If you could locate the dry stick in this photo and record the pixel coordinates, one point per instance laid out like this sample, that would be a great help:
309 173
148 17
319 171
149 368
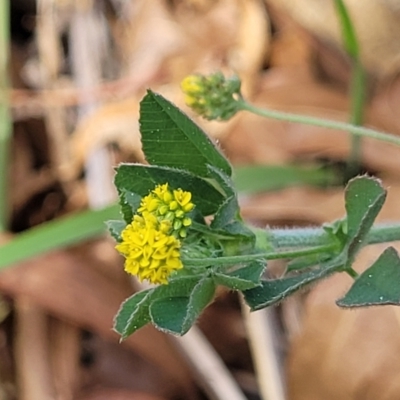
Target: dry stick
210 371
34 376
86 36
50 58
267 363
65 358
64 366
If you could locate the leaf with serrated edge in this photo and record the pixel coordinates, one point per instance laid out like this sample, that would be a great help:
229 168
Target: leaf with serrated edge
176 315
224 181
244 278
168 314
201 296
141 179
129 310
364 199
170 138
378 285
226 213
134 312
273 291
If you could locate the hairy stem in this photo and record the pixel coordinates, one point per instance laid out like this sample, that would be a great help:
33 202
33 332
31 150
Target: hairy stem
325 123
302 237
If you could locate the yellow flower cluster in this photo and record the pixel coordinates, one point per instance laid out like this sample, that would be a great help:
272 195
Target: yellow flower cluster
192 87
151 243
170 209
212 96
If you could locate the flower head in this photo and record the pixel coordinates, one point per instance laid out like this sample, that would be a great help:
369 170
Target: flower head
150 254
212 96
151 242
170 208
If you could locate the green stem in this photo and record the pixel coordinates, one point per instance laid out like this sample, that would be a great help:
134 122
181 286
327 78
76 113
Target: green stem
56 234
302 237
352 272
357 89
357 115
325 123
231 260
302 241
5 120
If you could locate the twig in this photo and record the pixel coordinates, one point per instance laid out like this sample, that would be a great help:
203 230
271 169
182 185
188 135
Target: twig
212 375
34 375
265 356
86 56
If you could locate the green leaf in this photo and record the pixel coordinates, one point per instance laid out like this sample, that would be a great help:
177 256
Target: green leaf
227 220
378 285
129 203
273 291
115 227
201 296
133 313
258 178
169 314
228 211
244 278
141 179
364 199
170 138
307 261
60 233
348 32
176 315
224 182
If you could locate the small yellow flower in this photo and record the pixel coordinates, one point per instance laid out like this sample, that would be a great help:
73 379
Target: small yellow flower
150 253
213 96
150 243
170 208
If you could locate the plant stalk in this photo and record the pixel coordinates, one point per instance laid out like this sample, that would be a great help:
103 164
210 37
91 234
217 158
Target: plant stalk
311 237
5 118
357 85
324 123
357 116
299 243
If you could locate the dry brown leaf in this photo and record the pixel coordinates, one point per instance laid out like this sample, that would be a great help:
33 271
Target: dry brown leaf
111 123
376 22
346 354
74 291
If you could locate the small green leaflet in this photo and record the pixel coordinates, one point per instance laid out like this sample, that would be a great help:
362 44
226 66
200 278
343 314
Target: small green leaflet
364 198
170 138
244 278
273 291
141 179
378 285
134 312
176 315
